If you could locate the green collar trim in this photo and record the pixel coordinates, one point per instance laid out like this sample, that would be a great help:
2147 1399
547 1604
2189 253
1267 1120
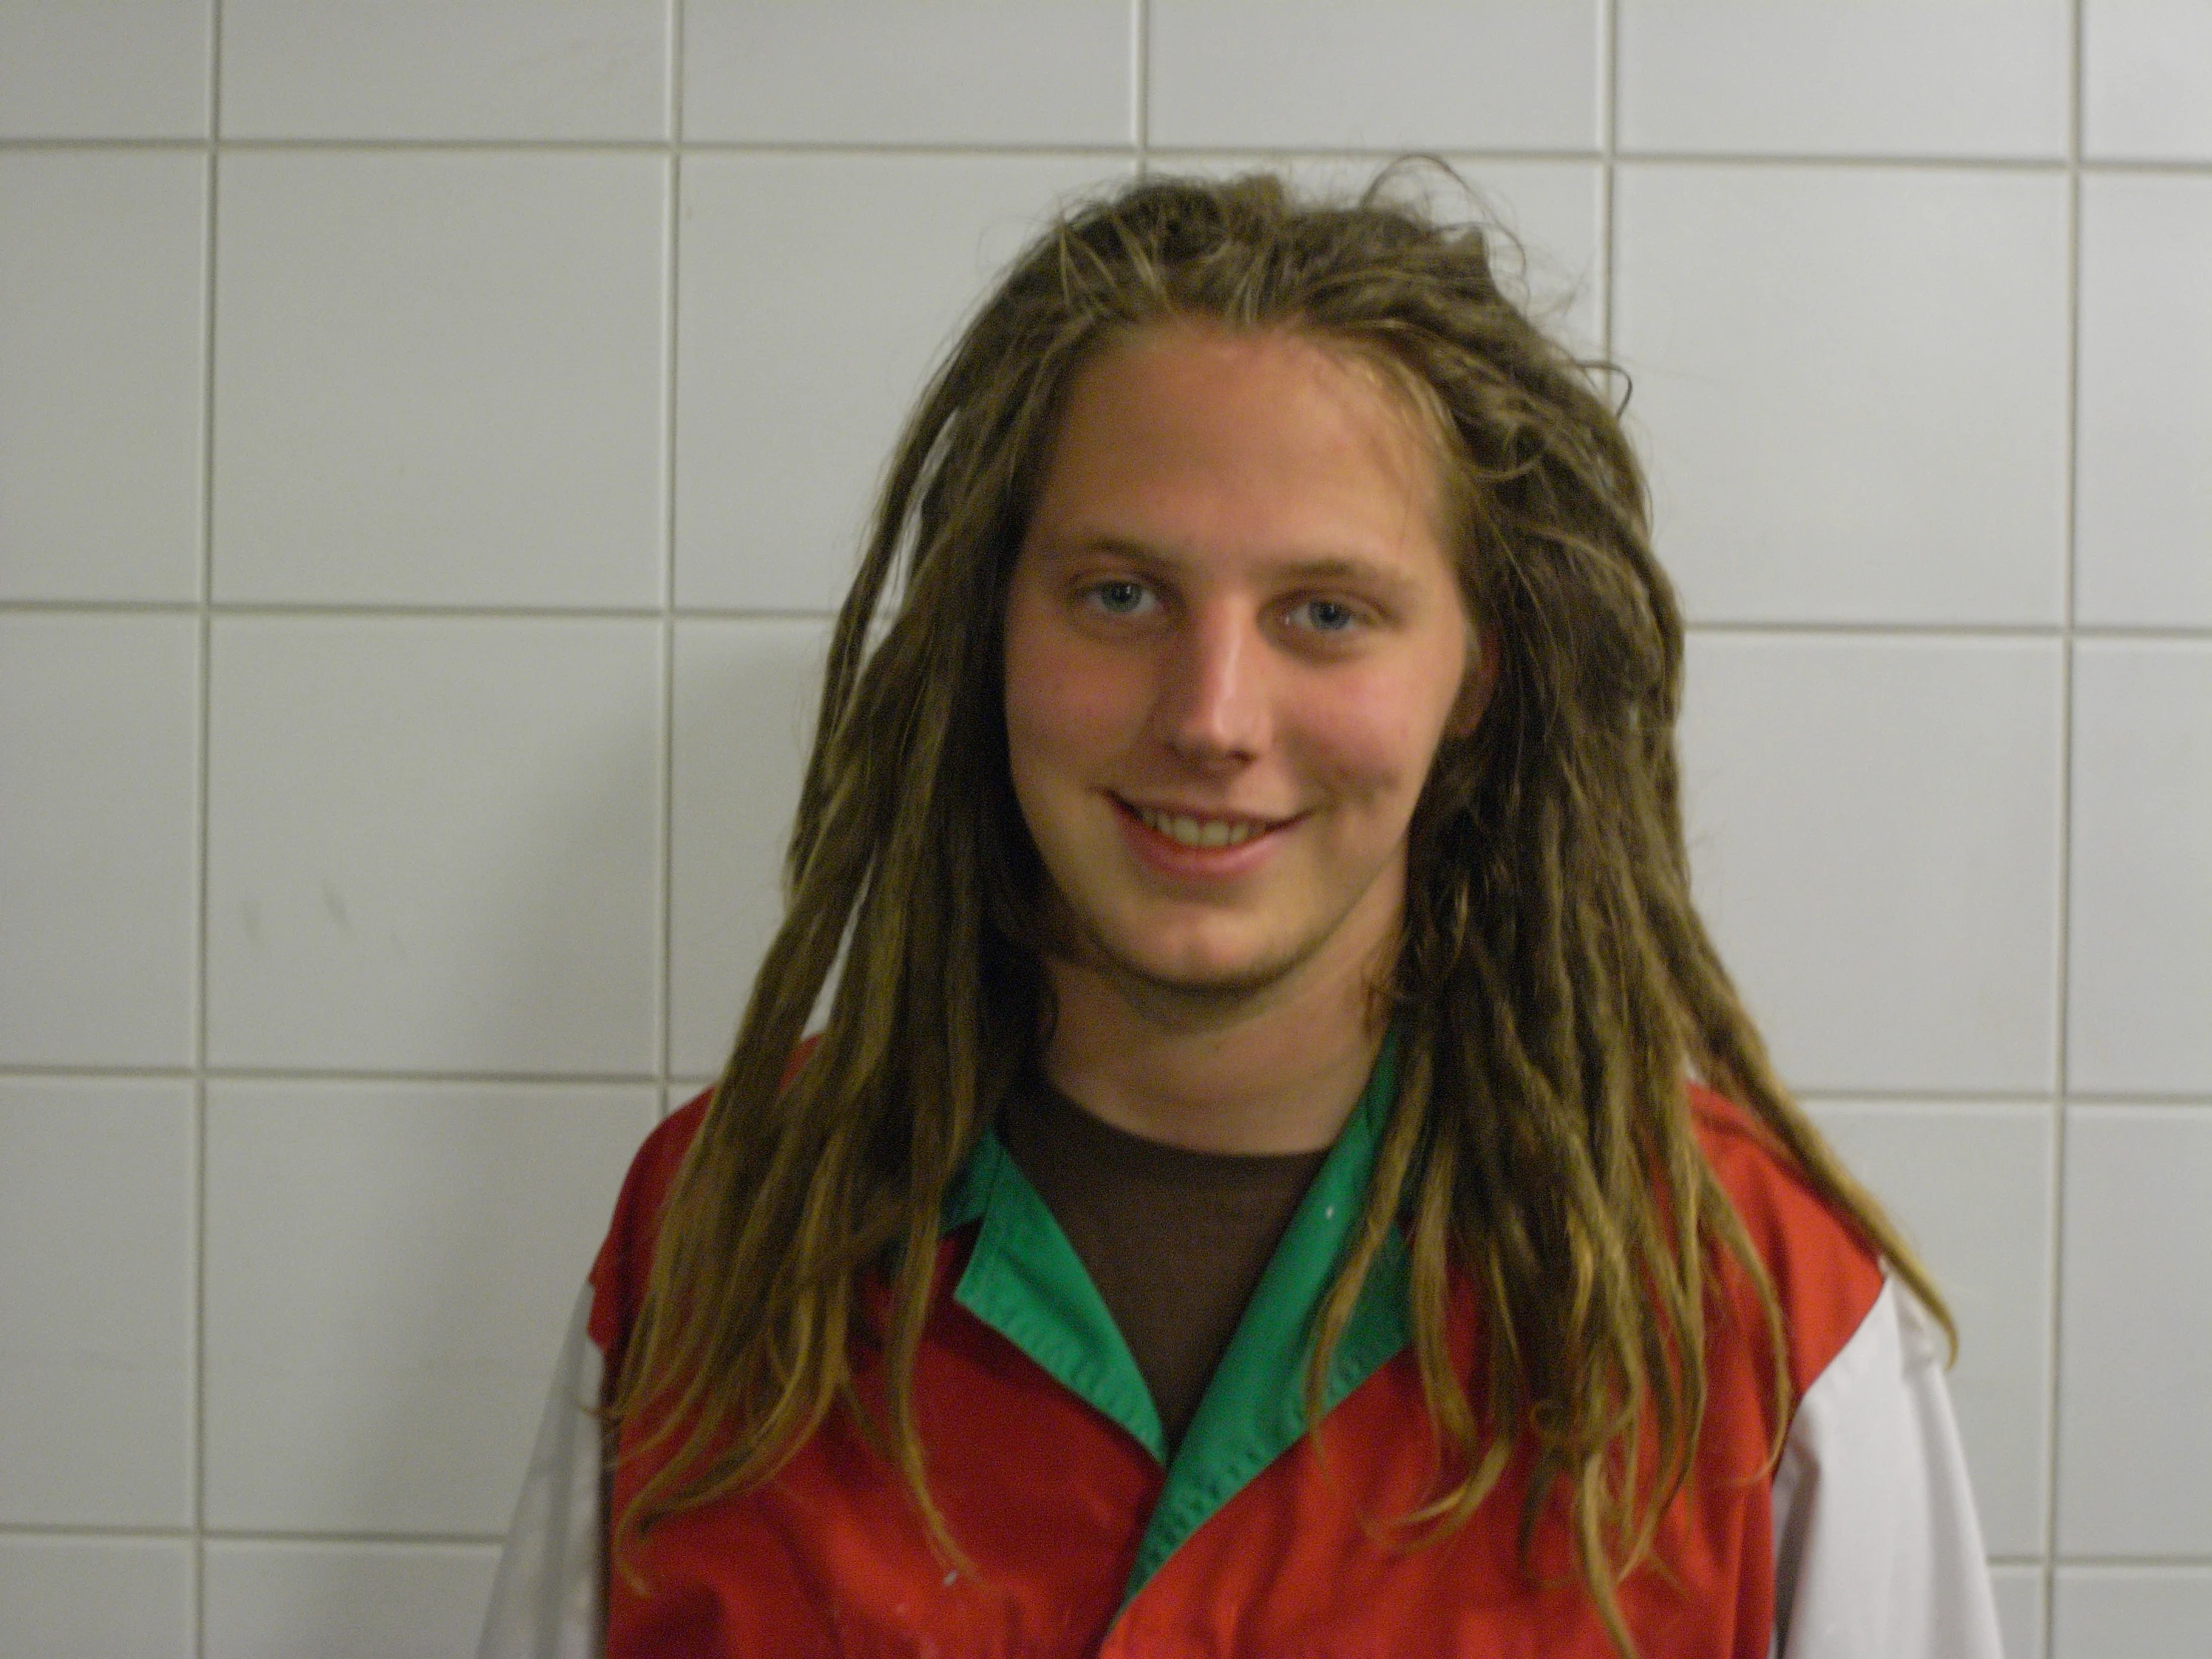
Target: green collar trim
1025 1281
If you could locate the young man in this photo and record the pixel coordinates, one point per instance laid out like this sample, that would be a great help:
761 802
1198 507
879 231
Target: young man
1285 1171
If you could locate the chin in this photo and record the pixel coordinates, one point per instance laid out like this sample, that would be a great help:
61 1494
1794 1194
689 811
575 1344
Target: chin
1202 969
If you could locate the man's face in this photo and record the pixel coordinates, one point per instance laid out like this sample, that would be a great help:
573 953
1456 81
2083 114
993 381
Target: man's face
1234 642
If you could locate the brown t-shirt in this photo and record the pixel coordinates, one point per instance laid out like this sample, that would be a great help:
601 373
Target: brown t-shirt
1175 1241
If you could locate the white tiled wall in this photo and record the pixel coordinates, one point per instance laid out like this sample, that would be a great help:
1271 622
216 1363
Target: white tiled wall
777 447
431 438
103 265
278 1599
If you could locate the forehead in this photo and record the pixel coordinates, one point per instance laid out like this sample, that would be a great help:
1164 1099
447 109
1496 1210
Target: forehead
1244 441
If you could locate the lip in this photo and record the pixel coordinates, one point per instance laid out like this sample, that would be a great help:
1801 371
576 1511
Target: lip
1168 856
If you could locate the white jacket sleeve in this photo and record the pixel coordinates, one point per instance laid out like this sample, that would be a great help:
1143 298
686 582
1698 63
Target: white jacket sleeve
545 1603
1877 1548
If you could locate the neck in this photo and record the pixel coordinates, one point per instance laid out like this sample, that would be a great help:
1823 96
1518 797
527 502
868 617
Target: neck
1268 1070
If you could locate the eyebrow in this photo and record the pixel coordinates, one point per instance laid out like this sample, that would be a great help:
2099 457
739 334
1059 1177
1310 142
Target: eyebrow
1321 567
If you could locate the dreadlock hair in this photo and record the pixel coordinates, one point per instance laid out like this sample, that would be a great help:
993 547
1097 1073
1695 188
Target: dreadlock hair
1552 987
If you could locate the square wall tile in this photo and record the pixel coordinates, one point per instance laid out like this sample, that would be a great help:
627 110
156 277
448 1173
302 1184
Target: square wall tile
746 696
2146 80
103 343
93 1598
346 1601
1552 210
390 1272
801 345
2131 1613
2135 1340
2144 496
1873 77
96 1226
1031 72
2019 1598
99 839
1972 1187
445 69
2139 934
1391 75
435 845
1549 212
439 378
105 68
1874 832
1851 387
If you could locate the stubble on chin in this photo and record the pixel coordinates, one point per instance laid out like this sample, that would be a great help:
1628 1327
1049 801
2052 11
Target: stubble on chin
1082 961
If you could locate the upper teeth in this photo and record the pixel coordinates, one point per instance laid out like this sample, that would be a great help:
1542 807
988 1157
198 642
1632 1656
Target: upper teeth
1193 831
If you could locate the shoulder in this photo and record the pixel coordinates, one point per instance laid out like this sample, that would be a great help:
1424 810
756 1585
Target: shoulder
1826 1278
625 1261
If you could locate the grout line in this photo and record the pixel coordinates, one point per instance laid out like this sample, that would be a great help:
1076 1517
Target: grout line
34 145
341 609
665 1007
2149 634
372 1538
113 607
2189 1100
79 1529
2102 633
862 147
1140 82
675 69
1471 155
424 1079
180 1074
197 1458
1840 162
2103 166
1991 1102
1879 630
2056 165
2179 1565
1609 39
344 610
2054 1257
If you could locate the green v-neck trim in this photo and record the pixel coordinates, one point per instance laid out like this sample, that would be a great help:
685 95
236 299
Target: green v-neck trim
1025 1281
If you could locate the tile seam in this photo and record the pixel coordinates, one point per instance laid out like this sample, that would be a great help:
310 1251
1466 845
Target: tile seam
665 1004
211 276
2055 1252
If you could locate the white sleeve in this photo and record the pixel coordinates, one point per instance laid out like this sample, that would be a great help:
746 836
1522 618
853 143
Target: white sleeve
545 1603
1876 1549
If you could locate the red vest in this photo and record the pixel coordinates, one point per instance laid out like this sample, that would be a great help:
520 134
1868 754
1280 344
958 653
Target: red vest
1260 1541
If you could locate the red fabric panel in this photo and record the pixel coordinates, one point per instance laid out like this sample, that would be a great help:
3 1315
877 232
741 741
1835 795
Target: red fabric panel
1824 1275
625 1260
1049 1498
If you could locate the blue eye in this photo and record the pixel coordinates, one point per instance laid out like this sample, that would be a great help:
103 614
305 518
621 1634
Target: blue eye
1325 615
1120 596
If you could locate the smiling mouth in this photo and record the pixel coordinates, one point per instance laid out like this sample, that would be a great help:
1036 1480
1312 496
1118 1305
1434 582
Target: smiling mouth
1204 832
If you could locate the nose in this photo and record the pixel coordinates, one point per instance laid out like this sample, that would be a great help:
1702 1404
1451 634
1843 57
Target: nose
1211 708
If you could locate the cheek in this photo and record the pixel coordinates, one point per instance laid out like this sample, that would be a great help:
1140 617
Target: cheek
1373 742
1066 711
